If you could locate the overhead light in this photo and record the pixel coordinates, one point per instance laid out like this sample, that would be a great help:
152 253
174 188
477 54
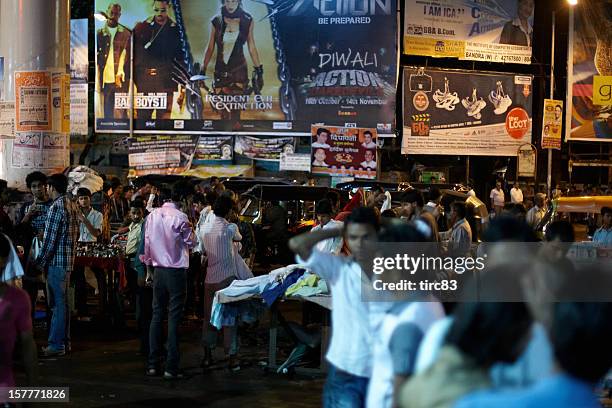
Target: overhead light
572 2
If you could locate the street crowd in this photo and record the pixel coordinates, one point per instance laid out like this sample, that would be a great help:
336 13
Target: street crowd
186 241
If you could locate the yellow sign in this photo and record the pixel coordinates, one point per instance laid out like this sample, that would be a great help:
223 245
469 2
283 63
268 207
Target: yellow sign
552 124
415 45
602 90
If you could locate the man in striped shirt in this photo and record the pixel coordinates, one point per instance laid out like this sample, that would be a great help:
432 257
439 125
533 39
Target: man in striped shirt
167 241
218 237
57 256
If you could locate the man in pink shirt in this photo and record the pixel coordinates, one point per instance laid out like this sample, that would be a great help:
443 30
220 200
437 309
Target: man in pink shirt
168 239
15 324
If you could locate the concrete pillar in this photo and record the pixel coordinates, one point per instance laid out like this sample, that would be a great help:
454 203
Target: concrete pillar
34 36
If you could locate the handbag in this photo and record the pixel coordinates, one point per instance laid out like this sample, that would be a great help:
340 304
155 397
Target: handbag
420 81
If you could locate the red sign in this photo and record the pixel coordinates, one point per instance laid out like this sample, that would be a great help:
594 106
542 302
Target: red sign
517 123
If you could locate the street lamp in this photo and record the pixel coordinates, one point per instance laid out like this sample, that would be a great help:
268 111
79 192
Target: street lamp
572 3
102 16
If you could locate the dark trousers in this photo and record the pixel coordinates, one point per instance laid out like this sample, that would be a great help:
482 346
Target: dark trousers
169 287
144 313
80 288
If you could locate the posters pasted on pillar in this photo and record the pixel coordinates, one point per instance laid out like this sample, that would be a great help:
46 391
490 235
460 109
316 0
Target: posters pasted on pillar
293 64
552 123
477 30
261 148
589 96
7 120
39 150
344 152
33 101
161 154
466 113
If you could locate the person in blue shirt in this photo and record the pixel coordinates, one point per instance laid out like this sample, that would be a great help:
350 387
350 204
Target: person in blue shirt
581 334
603 236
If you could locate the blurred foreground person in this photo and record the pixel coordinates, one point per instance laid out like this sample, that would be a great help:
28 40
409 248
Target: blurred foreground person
15 325
350 351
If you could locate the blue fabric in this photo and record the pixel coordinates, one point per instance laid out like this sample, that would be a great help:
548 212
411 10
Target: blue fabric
139 267
169 290
229 314
561 391
344 390
271 294
59 332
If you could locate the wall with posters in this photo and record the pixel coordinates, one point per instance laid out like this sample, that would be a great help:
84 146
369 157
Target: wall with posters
466 113
215 149
477 30
344 152
589 96
309 62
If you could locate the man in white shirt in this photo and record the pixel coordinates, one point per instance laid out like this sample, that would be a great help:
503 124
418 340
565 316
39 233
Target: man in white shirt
498 198
90 228
113 43
322 135
460 236
350 350
537 212
368 143
603 235
516 194
324 212
369 162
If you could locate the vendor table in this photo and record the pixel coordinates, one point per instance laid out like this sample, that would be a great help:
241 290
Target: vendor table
275 318
113 268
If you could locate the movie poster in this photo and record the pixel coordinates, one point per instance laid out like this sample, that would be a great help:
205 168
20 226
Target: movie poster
79 67
264 148
477 30
163 154
466 113
249 67
589 98
214 148
344 152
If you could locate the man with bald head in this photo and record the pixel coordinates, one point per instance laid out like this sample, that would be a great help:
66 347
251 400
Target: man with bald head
113 48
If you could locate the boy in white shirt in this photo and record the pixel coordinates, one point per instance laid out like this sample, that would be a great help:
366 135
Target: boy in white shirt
350 350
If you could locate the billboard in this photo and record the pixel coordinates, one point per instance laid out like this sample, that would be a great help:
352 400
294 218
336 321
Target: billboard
79 67
214 148
344 151
466 113
162 154
589 96
477 30
250 67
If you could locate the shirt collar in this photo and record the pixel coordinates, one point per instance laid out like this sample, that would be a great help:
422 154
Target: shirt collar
170 205
458 223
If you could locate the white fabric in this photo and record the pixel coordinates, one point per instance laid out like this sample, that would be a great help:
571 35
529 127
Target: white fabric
207 215
368 164
535 215
350 346
516 195
84 177
431 344
387 203
330 245
95 218
380 387
13 268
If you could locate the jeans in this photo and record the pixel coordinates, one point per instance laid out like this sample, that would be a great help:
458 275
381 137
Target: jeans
169 287
59 331
344 390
